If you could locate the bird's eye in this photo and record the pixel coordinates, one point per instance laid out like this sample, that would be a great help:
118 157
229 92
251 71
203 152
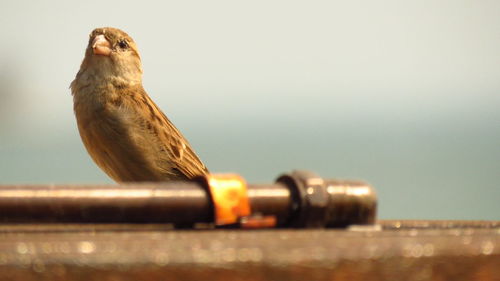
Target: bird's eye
123 44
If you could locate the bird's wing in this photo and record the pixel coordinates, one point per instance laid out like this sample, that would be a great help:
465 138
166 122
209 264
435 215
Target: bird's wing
183 158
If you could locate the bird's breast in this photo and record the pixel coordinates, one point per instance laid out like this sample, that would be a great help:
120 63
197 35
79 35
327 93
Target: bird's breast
119 143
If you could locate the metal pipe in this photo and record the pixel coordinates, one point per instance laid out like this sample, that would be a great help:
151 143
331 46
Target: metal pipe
172 202
184 203
169 202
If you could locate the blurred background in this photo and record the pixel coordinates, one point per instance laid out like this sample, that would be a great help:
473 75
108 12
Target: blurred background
402 94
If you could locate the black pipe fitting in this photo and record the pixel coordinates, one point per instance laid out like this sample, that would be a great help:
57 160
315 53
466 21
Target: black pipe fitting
328 203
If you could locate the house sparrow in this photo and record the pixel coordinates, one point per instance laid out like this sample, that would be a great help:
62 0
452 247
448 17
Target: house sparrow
124 131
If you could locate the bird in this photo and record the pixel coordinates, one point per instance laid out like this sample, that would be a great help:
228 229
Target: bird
123 130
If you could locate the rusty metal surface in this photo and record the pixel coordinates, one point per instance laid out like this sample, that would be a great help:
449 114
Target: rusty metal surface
396 250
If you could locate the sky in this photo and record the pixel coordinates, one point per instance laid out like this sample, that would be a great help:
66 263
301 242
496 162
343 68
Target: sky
402 94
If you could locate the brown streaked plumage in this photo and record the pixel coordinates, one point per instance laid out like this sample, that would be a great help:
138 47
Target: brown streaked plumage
124 131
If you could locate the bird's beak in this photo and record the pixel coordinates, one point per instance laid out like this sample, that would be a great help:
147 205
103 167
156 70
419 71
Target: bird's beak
101 46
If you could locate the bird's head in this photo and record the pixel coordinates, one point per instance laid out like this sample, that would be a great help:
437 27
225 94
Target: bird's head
112 55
